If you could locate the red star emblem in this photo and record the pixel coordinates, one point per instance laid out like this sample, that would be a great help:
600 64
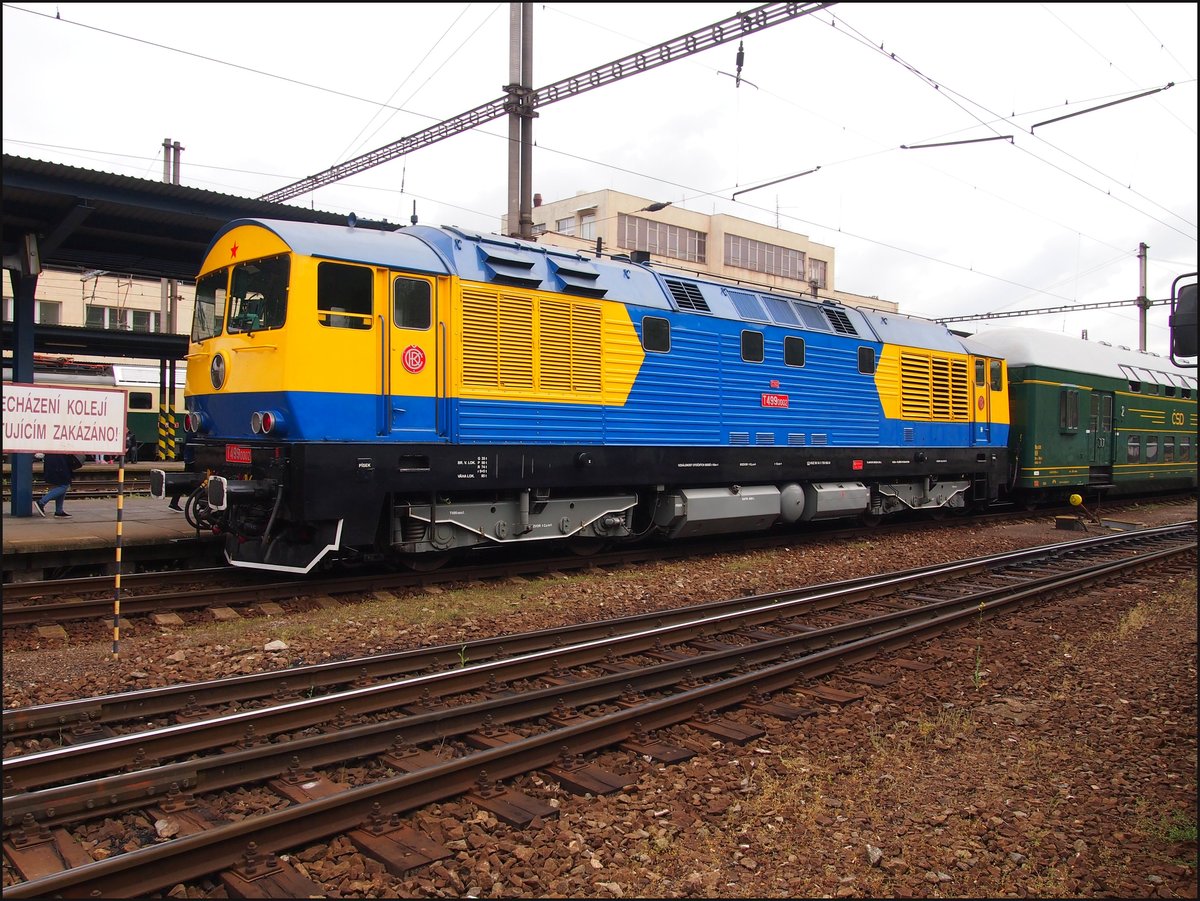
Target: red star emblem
233 251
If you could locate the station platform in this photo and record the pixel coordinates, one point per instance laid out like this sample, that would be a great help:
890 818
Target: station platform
149 529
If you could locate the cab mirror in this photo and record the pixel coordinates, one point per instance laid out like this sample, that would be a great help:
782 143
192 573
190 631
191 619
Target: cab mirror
1183 321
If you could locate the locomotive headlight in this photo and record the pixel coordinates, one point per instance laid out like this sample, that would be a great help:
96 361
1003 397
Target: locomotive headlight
267 422
216 372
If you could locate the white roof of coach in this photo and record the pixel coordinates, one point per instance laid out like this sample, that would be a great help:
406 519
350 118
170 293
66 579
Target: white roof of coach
1029 347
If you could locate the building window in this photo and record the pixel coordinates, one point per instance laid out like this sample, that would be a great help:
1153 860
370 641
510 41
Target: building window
565 226
47 312
816 272
656 334
147 321
587 224
746 253
114 318
752 346
635 233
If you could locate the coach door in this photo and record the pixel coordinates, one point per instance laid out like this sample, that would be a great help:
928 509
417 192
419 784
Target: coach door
414 393
1100 428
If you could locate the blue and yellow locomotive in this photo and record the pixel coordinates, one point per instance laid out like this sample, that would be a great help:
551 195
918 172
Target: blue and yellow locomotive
354 393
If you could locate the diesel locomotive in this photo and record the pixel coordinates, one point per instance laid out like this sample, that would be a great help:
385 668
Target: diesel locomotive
357 394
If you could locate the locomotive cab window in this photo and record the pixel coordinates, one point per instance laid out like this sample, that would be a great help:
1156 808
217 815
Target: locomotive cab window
752 346
866 360
793 351
412 306
258 295
656 335
980 373
208 315
344 296
997 380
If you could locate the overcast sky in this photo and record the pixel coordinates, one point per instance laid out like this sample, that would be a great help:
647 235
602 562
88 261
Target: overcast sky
262 95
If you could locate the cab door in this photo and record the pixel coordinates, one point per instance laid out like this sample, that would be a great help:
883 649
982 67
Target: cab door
981 402
413 375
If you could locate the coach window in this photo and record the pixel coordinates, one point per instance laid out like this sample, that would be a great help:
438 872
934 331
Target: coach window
1169 449
1133 449
344 296
258 295
752 346
1068 410
141 400
866 360
793 351
412 306
656 335
1151 448
1185 448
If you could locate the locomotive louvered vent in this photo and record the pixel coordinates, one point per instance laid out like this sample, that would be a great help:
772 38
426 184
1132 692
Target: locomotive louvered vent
934 387
764 438
910 434
820 439
739 438
840 322
795 439
509 266
577 277
748 306
687 296
500 351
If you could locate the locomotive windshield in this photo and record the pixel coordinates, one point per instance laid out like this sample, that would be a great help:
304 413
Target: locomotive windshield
209 312
258 295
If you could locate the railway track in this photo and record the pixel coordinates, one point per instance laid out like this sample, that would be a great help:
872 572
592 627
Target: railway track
452 721
90 598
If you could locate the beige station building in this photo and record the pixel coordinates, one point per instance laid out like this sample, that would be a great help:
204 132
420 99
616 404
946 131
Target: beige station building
675 238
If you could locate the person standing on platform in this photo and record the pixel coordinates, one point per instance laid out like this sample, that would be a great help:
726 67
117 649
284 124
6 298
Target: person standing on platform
57 470
131 445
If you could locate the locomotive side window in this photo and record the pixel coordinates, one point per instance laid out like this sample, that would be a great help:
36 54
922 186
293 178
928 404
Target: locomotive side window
866 360
997 380
793 351
344 296
980 373
208 315
258 295
1133 449
656 335
752 346
412 307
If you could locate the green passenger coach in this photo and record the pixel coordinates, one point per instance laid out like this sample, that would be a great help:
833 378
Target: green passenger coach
1091 417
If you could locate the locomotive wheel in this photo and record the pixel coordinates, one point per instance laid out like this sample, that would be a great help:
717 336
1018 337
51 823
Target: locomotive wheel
586 547
427 563
870 520
196 509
